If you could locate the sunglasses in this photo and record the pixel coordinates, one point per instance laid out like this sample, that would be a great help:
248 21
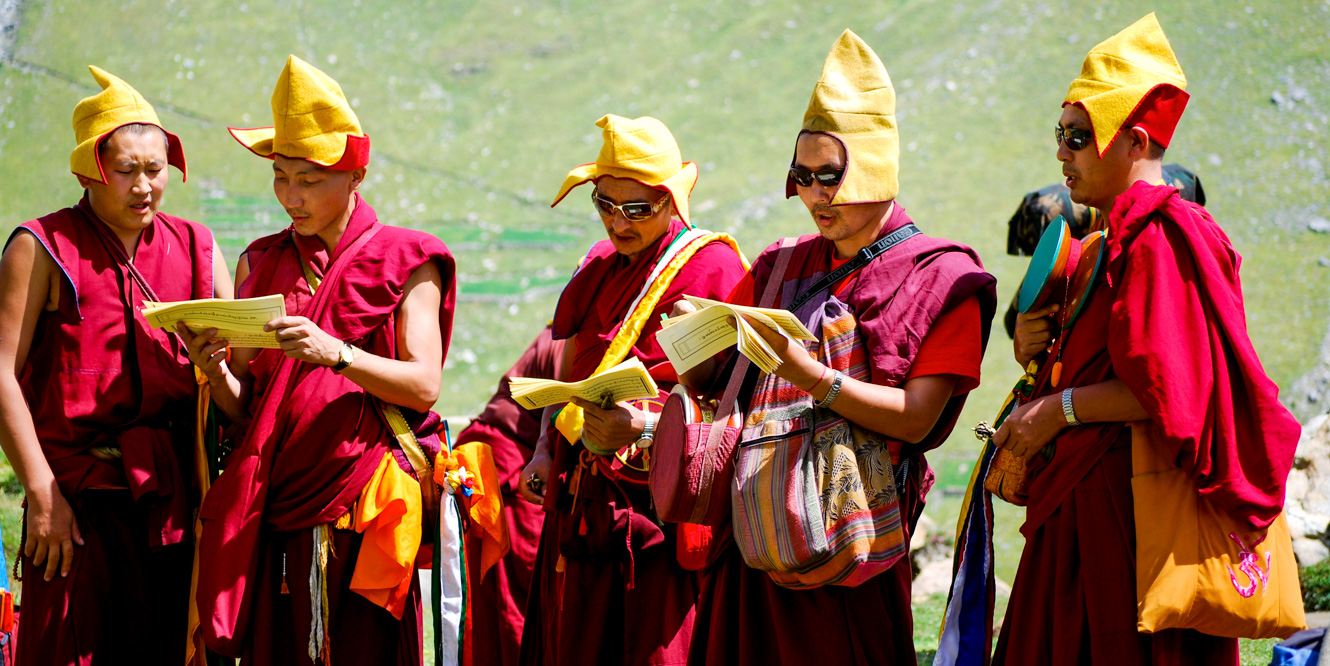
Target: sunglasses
826 177
1073 138
633 211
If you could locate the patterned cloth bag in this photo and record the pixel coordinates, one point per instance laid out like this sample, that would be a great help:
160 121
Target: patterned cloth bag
815 499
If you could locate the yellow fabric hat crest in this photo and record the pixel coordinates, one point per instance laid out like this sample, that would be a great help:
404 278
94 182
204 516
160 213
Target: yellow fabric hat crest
855 102
641 149
1131 76
96 117
311 121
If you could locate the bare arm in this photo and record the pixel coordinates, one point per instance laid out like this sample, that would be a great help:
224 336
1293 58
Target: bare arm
413 379
27 278
1033 425
907 413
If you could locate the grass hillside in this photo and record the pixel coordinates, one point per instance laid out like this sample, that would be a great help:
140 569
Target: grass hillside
477 109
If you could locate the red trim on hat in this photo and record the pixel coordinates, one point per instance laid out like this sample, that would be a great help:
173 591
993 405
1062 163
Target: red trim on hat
356 154
1157 113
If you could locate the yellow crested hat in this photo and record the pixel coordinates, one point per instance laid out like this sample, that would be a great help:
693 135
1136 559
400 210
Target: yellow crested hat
96 117
311 121
1131 79
640 149
855 102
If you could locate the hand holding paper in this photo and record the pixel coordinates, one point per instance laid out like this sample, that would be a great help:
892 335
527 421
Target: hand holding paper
694 337
240 322
626 381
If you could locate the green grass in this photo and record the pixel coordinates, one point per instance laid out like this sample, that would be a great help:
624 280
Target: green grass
1316 586
477 110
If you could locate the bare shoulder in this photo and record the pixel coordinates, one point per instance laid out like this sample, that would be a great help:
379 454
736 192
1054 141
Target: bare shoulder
25 264
428 272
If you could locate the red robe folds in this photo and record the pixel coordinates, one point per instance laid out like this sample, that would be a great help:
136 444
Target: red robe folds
98 376
743 618
314 440
499 596
1168 320
622 597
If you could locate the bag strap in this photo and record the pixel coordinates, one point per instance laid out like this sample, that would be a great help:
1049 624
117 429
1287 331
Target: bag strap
415 454
860 260
716 433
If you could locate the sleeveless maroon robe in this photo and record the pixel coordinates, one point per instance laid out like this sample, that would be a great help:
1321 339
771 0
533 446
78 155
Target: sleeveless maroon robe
499 596
742 616
314 440
1168 320
623 598
97 375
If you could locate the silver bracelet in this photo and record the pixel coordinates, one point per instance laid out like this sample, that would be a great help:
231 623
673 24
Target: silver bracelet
833 392
1067 410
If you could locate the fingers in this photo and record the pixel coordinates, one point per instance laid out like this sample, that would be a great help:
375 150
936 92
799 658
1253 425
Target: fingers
682 307
66 558
74 531
53 561
285 322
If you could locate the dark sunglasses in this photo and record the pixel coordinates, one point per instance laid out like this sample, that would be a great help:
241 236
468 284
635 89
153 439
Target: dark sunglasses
826 177
633 211
1073 138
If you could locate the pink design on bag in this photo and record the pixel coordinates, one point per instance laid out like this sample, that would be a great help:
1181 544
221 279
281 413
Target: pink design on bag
1250 565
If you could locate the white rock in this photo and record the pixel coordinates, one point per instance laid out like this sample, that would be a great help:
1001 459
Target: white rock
934 578
1308 551
922 531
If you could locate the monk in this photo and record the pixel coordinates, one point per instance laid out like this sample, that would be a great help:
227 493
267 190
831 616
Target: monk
97 408
499 596
1162 341
310 535
607 586
921 314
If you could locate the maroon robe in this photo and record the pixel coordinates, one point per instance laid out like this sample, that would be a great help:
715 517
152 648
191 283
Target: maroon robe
1168 320
745 618
314 440
499 596
97 376
623 598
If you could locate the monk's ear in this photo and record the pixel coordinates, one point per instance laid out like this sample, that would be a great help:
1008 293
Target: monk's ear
1139 142
357 177
84 181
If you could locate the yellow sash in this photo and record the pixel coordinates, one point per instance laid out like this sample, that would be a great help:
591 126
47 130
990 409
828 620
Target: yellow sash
569 421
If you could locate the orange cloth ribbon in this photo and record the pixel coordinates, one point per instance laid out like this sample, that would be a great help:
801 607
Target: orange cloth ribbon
390 516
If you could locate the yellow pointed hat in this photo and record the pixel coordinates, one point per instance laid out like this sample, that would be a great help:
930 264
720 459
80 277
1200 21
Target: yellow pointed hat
311 121
640 149
96 117
1131 79
855 102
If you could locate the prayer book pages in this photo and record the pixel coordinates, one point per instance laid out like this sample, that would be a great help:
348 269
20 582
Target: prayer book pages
694 337
626 381
239 322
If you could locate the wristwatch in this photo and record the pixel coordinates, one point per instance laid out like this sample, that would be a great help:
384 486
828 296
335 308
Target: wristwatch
345 357
648 432
1067 411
